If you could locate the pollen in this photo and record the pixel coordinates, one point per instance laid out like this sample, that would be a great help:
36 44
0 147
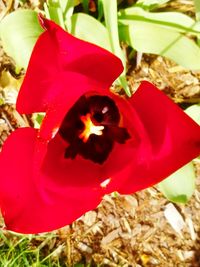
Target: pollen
90 128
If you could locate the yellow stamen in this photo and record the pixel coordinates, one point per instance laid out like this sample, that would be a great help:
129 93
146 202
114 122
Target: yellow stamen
90 128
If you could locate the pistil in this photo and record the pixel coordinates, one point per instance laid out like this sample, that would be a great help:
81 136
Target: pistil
90 128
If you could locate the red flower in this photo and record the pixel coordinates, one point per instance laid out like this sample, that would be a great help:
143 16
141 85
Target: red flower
91 142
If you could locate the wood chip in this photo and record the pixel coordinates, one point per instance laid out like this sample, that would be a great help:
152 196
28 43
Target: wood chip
174 218
111 236
191 228
89 218
83 247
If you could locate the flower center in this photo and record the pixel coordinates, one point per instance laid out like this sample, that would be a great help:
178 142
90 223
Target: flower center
91 127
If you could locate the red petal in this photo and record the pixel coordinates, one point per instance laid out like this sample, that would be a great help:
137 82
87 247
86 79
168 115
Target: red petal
120 156
70 87
173 140
32 201
55 52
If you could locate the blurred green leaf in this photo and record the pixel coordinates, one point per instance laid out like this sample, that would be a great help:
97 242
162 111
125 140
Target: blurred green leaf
197 13
19 31
194 112
110 15
148 37
100 10
37 119
54 12
67 4
151 4
89 29
179 186
85 4
197 9
171 20
68 12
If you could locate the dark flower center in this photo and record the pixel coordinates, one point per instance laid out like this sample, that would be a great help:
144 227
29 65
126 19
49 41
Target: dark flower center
91 127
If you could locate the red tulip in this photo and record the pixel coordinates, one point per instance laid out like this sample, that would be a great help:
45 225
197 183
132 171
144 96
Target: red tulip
91 142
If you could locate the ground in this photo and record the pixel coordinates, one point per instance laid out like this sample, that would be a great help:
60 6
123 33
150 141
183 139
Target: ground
125 230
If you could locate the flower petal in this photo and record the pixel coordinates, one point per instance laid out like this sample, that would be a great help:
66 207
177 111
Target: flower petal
55 52
121 154
32 204
69 87
174 140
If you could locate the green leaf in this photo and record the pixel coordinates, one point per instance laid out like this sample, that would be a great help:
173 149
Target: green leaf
67 4
148 37
37 119
53 11
197 9
151 4
197 13
89 29
110 15
194 112
68 12
19 31
85 4
171 20
179 186
100 10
